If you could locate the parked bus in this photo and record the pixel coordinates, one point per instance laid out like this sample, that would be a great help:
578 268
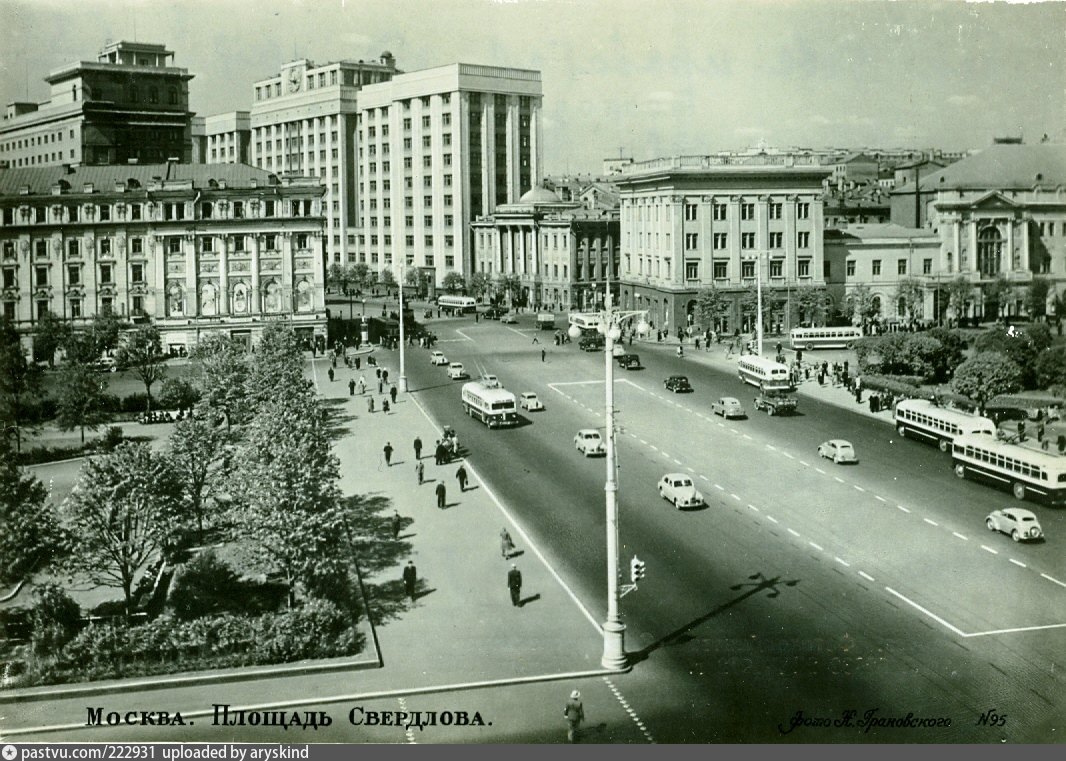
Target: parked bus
940 425
823 338
586 320
764 373
457 303
1027 472
494 407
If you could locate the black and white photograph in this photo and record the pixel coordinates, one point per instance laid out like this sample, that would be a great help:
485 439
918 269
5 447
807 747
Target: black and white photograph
531 372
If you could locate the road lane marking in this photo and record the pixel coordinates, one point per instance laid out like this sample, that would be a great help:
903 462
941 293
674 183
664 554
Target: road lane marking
642 441
704 477
901 507
1018 563
794 533
866 576
820 471
719 487
838 479
816 546
931 523
1016 630
804 464
749 438
929 613
771 447
464 335
628 709
786 454
734 496
879 498
408 732
772 519
842 562
1053 580
960 536
753 507
654 447
986 548
858 488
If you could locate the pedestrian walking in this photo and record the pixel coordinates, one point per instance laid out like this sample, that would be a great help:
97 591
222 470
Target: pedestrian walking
388 453
377 372
535 339
392 393
574 712
330 374
362 385
441 495
460 475
420 471
381 385
410 579
385 376
506 543
514 584
543 354
438 454
1040 431
370 404
697 344
385 406
397 524
418 448
351 387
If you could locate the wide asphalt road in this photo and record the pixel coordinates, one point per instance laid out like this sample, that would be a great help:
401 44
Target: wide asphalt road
803 588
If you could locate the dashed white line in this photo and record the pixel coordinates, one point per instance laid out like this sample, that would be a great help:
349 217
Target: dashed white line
901 507
1053 580
879 498
772 519
960 536
816 546
866 576
629 710
690 470
753 507
704 477
986 548
734 430
1018 563
654 447
719 487
930 522
804 464
858 488
838 479
771 447
794 533
734 496
642 441
786 454
677 461
842 562
746 436
820 471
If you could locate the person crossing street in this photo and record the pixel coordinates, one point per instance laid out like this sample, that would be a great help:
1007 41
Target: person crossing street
514 585
441 495
461 476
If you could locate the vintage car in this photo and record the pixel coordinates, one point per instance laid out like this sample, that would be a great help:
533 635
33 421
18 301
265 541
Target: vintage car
678 489
589 442
527 400
1021 524
437 358
677 383
837 450
728 407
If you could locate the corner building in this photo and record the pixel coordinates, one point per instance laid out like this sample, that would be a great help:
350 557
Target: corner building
695 222
437 148
194 249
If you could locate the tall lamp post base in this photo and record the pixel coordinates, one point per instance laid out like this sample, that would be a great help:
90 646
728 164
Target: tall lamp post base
614 647
403 383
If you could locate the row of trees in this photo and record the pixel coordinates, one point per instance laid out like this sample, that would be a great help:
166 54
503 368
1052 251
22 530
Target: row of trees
357 277
810 302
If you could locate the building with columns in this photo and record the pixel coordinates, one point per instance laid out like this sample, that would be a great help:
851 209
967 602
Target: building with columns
303 121
1000 213
437 148
192 248
221 138
562 253
130 105
695 222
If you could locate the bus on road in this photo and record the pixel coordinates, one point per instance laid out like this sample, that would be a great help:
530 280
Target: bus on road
494 407
806 339
764 373
939 425
586 320
1026 472
461 304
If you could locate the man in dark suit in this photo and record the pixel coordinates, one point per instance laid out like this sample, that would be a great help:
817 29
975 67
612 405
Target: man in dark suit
410 578
514 583
441 492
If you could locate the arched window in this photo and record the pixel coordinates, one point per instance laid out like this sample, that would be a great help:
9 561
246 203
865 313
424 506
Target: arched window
989 251
175 301
272 297
208 300
303 297
875 305
239 303
134 95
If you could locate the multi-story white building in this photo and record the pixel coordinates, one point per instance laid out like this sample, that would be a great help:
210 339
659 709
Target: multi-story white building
695 222
221 138
303 120
130 105
193 248
436 148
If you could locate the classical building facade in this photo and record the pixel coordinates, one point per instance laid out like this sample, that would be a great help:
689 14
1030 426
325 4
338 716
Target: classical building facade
562 253
999 214
130 105
221 138
437 148
303 120
695 222
193 249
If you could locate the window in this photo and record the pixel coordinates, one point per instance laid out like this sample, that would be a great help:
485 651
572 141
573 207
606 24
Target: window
42 309
271 242
692 270
775 210
691 240
73 275
777 240
428 240
136 246
105 213
850 268
75 309
105 247
302 241
927 266
777 268
427 162
136 273
747 240
107 274
690 212
426 141
747 269
803 240
803 211
425 122
428 220
73 247
207 243
721 241
876 267
40 276
721 270
827 269
135 211
901 267
747 211
803 268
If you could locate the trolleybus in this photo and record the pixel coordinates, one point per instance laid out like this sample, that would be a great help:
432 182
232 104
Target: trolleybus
457 303
494 407
1026 472
764 373
823 338
939 425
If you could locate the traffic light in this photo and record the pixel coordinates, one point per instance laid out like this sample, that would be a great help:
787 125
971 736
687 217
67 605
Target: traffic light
636 569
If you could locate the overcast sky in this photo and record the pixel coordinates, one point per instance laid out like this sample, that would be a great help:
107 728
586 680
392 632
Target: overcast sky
641 77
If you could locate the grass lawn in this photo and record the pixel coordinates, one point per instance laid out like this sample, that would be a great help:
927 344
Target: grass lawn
125 382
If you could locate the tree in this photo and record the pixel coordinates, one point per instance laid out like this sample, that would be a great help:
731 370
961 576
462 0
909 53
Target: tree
197 452
178 394
997 292
276 367
419 279
810 303
388 280
1023 347
985 375
337 277
105 330
960 295
51 333
121 516
510 285
862 306
911 293
143 352
223 379
29 527
1051 368
359 275
1036 297
480 283
454 282
285 485
19 379
80 395
711 305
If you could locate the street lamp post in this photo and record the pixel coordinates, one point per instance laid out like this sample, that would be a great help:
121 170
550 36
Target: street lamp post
758 307
614 652
403 366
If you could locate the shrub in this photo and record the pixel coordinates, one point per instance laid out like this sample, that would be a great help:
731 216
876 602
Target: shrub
136 403
178 394
206 586
112 438
55 618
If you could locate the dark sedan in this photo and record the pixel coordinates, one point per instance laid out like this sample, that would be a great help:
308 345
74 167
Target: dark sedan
678 384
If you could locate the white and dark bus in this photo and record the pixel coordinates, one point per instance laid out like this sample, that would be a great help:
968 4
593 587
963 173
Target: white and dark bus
462 304
806 339
1026 472
920 418
586 321
494 407
764 373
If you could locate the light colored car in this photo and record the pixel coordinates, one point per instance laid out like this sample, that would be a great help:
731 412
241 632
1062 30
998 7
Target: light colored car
456 371
437 358
1018 522
728 407
589 442
509 319
837 450
618 350
488 380
679 489
527 400
105 364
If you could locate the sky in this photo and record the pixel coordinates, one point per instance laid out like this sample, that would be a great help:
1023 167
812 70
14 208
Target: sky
642 79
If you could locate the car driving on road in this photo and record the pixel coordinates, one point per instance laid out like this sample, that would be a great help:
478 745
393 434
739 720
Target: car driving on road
527 400
678 384
589 442
679 489
728 407
456 371
509 319
437 358
837 450
1019 523
488 380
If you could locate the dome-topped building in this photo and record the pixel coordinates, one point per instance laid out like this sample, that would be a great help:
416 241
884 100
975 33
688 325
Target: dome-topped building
539 194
